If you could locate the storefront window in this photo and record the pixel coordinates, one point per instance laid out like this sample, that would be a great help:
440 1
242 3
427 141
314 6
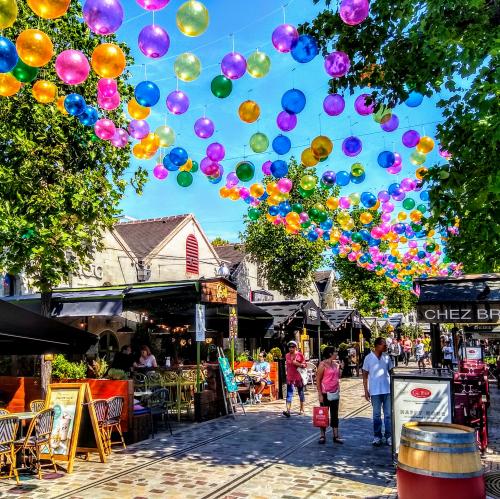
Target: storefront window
108 345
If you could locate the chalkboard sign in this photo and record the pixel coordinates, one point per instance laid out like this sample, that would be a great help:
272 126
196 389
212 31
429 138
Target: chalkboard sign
228 375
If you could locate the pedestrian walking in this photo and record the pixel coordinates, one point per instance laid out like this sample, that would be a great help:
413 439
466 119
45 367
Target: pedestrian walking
327 381
394 351
407 350
294 360
420 353
377 368
448 355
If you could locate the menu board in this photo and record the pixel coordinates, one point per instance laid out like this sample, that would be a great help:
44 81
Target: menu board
228 375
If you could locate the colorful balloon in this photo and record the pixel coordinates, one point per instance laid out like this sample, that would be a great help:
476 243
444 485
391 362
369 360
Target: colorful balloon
23 72
34 47
192 18
414 99
120 138
308 158
279 168
204 128
178 156
147 93
109 103
153 41
60 104
321 146
8 13
160 172
249 111
187 67
386 159
104 128
305 49
103 17
383 114
245 171
258 64
233 65
286 121
49 9
337 64
352 146
8 85
417 158
293 101
138 129
177 102
285 38
74 104
391 124
221 86
137 111
281 144
107 87
72 67
364 104
334 104
410 138
266 167
44 91
166 135
8 55
259 142
89 116
184 179
216 151
153 4
354 12
425 145
108 60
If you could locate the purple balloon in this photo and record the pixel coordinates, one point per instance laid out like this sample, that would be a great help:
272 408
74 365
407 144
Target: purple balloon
397 159
204 128
352 146
208 166
354 12
334 104
286 121
391 124
153 4
393 170
361 105
120 138
160 172
398 195
383 196
285 38
103 17
216 151
232 179
233 65
406 184
410 138
266 168
138 129
154 41
177 102
337 64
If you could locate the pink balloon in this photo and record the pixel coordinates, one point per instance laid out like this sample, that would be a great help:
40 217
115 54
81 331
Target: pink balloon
344 203
120 138
284 185
107 87
138 129
354 12
160 172
177 102
105 129
216 151
244 193
72 67
153 4
109 103
233 65
208 166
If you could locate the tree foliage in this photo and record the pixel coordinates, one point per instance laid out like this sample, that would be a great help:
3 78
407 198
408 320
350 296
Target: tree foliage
447 47
219 241
287 261
59 185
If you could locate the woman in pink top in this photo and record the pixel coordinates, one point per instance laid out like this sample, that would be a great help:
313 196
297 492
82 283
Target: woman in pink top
407 350
327 380
294 360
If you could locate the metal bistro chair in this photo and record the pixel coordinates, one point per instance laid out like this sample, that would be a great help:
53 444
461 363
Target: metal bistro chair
101 411
8 431
159 404
140 381
154 380
113 423
37 405
186 388
38 440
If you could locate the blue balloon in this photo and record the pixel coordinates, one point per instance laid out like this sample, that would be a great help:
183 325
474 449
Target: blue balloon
89 116
368 199
178 156
421 254
328 178
264 196
281 144
312 236
273 211
293 101
335 249
352 146
343 178
306 49
386 159
374 242
393 188
424 195
147 93
279 168
167 163
414 99
326 225
326 235
284 208
216 180
8 55
365 234
358 179
75 104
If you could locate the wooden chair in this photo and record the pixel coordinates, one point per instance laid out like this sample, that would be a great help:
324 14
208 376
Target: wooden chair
113 420
8 431
37 438
101 411
37 405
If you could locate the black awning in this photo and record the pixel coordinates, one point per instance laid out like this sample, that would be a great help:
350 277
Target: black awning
339 318
24 332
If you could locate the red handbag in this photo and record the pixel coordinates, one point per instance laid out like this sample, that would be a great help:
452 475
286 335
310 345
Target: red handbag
320 417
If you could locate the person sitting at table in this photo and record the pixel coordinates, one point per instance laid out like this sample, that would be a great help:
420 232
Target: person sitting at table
147 359
123 359
260 372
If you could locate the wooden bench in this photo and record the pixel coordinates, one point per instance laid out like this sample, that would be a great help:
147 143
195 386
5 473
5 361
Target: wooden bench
271 390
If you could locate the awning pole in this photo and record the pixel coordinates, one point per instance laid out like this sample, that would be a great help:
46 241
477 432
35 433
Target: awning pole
198 365
319 342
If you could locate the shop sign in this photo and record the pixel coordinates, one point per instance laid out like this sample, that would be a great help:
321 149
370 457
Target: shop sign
200 322
480 313
312 315
472 353
233 322
218 292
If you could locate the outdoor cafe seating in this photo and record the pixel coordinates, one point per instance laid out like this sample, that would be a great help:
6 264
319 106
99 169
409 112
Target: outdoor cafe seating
8 433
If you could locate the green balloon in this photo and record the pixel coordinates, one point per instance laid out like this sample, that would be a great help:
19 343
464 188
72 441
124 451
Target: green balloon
221 86
409 204
297 208
24 73
184 179
245 171
258 64
305 224
357 237
253 213
357 169
322 216
259 142
422 208
195 167
305 194
430 247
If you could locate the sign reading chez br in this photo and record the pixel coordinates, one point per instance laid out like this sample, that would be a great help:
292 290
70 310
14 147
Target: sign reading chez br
475 313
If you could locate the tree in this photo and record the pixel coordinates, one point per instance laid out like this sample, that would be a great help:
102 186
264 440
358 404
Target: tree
218 241
287 261
59 185
432 46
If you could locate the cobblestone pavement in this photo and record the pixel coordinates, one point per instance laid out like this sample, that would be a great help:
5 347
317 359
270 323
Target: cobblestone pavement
260 455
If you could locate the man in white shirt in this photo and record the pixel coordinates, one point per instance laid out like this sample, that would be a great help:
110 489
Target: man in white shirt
377 368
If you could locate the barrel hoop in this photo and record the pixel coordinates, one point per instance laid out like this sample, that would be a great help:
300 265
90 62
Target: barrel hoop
439 474
435 448
447 438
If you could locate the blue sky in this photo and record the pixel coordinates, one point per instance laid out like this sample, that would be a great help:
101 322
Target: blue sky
252 23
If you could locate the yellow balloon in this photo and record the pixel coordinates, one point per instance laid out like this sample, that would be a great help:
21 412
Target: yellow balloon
425 145
187 166
108 60
44 91
354 198
8 13
249 111
376 206
366 218
421 172
402 216
257 190
258 64
49 9
308 158
60 104
321 146
192 18
187 67
137 111
332 203
34 48
166 134
8 85
151 142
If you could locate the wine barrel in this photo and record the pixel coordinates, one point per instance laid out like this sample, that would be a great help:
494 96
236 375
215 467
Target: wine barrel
438 461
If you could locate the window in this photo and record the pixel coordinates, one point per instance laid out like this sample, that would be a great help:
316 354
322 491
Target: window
108 345
192 256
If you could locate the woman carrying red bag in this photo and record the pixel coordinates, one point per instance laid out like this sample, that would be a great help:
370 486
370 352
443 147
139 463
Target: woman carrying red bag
327 380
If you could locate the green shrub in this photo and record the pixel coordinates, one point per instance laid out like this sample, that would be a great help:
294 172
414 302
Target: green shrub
117 374
64 369
242 357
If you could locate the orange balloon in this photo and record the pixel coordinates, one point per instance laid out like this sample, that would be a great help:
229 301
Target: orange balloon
60 104
425 145
44 91
108 60
420 172
308 158
332 203
322 146
234 194
137 111
8 85
249 111
34 48
224 192
49 9
366 218
257 190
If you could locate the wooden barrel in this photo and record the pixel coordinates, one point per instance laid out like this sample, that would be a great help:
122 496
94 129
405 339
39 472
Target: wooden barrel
439 461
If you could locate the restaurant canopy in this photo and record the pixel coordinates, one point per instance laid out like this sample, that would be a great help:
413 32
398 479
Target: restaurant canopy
23 332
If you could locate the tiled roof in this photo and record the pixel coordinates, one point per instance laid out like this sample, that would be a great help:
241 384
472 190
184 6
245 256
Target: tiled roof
321 278
232 253
143 236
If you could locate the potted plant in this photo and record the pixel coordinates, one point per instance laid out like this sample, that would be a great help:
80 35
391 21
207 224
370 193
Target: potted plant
63 369
99 367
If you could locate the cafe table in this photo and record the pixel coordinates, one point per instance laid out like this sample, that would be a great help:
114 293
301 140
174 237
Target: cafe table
24 416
